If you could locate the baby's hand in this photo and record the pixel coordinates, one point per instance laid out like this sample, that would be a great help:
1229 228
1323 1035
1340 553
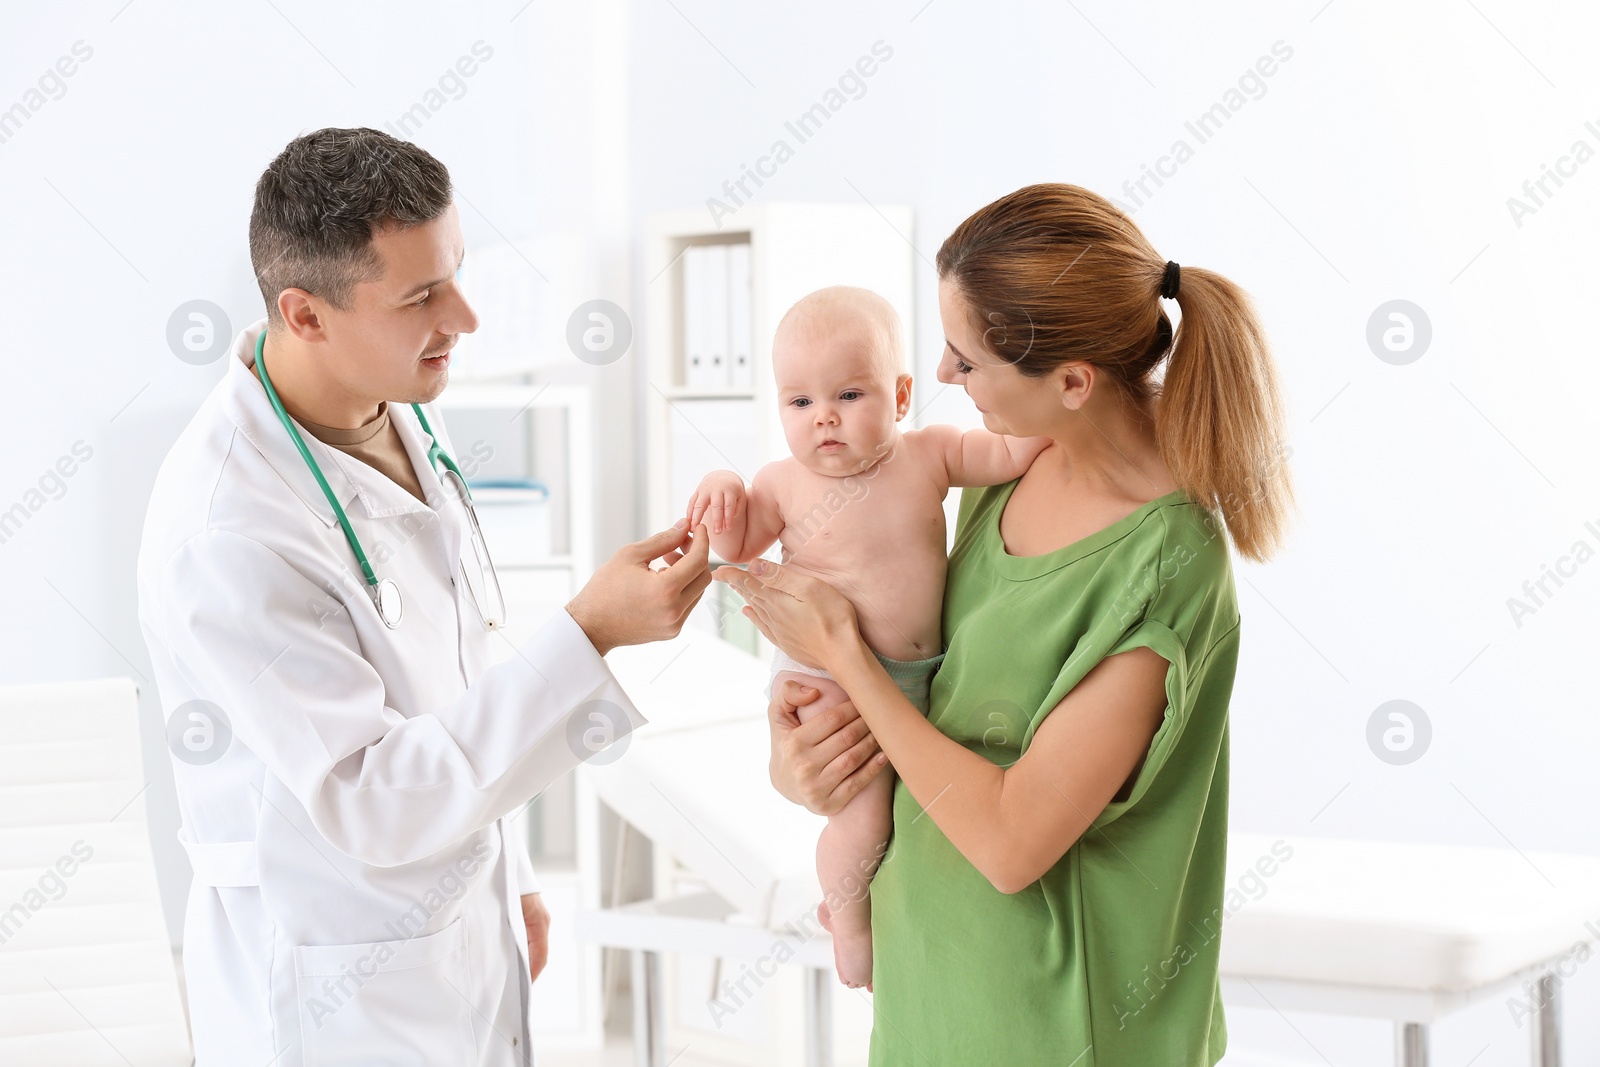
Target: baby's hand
720 498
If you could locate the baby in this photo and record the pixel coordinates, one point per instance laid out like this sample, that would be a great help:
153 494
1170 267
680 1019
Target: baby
860 506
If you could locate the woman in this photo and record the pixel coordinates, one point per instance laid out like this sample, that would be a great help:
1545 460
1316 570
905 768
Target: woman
1053 889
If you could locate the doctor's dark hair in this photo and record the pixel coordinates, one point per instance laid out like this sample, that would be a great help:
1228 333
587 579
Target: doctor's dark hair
319 203
1054 274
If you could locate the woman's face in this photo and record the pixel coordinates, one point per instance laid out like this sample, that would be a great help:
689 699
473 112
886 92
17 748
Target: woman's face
1011 402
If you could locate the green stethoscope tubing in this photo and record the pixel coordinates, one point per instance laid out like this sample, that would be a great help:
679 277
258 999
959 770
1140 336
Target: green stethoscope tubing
436 454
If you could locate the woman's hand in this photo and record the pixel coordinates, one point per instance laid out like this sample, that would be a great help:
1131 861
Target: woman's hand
805 616
826 761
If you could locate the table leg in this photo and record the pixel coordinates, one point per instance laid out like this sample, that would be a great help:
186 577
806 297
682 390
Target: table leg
649 1041
1410 1045
819 1017
1546 1022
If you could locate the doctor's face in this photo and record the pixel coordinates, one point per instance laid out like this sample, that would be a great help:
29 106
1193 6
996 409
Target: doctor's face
396 337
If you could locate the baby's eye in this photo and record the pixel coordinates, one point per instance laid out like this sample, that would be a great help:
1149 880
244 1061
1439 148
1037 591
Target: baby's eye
800 402
850 393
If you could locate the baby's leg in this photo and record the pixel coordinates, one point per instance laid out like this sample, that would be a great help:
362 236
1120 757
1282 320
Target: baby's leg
848 851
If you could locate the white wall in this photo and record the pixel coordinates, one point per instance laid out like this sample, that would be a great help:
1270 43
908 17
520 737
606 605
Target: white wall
130 194
1375 165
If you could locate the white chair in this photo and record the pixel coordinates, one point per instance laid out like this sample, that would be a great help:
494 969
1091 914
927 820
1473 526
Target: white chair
1406 932
86 969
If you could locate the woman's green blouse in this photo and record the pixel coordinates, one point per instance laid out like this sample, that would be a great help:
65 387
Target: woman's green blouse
1110 958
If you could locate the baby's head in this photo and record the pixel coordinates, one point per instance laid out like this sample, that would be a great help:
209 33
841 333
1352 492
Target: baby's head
839 362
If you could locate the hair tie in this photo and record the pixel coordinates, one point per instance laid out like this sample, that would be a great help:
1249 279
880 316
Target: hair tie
1169 281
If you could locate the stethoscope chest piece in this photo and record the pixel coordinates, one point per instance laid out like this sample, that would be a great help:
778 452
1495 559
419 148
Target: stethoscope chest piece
386 595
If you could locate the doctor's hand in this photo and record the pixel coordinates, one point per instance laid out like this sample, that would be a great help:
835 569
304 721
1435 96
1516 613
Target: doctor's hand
824 762
627 602
537 918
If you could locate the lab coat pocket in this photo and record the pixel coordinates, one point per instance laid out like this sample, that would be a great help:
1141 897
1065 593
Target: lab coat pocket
392 1002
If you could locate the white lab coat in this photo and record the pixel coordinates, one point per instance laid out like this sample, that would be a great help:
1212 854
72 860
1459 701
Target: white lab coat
355 895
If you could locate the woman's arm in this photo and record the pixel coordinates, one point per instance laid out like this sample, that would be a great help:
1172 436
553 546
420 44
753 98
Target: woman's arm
1012 823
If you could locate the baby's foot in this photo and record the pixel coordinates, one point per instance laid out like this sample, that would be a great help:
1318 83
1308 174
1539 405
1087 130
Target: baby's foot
852 951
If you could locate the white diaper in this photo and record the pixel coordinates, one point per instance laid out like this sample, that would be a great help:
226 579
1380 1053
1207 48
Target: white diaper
913 677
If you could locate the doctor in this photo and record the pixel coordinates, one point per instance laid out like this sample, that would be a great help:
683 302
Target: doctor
321 624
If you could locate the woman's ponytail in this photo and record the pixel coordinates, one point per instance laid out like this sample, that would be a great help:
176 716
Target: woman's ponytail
1071 278
1219 415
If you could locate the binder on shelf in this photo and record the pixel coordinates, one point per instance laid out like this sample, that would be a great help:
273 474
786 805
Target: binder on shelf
696 332
739 327
716 315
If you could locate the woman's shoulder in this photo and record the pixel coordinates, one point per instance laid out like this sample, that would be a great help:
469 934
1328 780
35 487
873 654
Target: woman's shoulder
1173 525
1186 554
1189 527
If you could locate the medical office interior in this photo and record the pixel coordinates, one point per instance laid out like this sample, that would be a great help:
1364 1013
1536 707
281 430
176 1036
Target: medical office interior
1408 192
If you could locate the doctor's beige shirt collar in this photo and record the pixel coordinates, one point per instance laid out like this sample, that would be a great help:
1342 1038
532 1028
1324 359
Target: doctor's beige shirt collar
246 405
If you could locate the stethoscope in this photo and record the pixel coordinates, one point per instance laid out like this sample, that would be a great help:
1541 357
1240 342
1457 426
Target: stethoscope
384 592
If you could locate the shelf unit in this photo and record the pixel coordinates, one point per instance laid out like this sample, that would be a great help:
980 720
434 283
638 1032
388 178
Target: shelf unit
546 431
575 461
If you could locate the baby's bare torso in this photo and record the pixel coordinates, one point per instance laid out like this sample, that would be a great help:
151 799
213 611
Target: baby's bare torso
878 537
